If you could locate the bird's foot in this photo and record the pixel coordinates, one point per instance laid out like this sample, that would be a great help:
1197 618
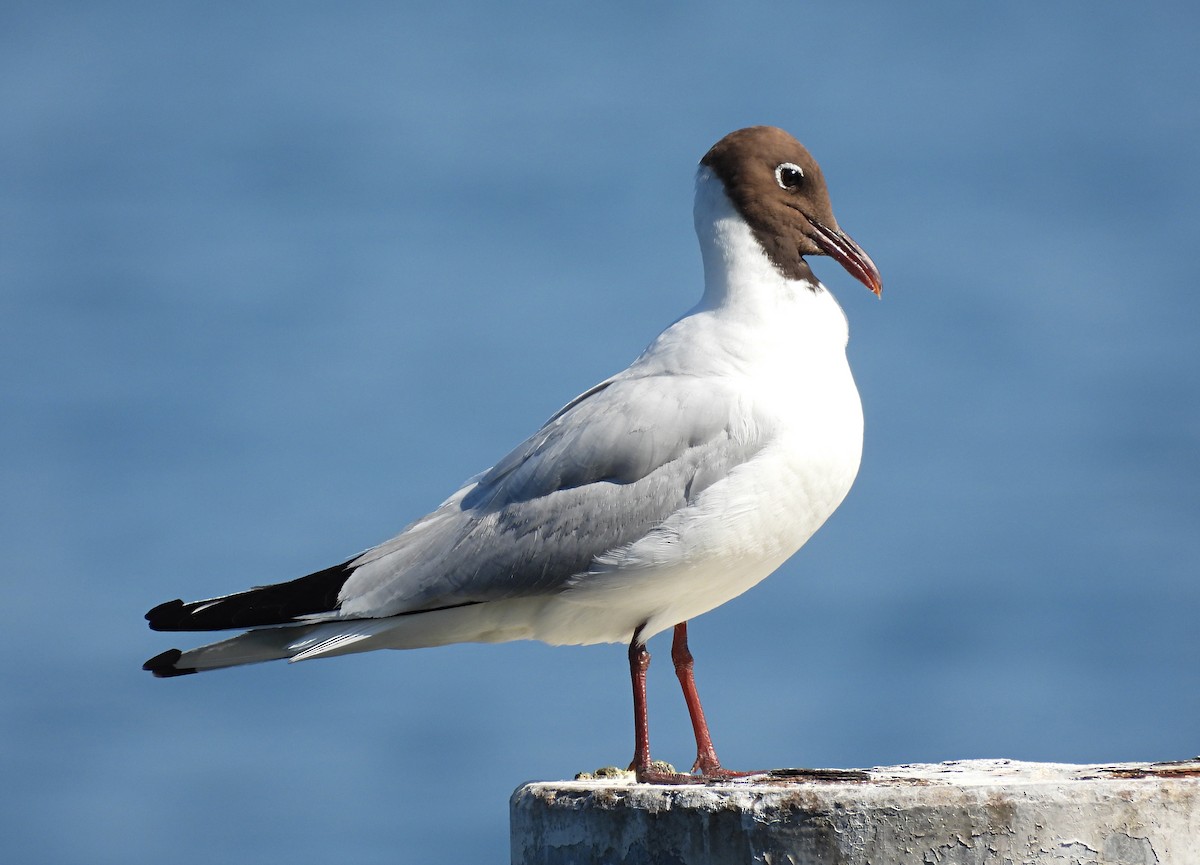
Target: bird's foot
719 774
708 767
661 772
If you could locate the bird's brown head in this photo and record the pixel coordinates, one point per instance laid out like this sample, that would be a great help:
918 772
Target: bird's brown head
779 190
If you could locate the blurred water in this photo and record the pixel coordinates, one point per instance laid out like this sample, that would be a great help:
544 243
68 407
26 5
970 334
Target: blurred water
274 278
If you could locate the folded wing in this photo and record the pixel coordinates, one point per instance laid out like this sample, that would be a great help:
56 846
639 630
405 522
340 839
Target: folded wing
599 475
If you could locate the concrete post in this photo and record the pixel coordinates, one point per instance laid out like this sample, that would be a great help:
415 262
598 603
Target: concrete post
972 811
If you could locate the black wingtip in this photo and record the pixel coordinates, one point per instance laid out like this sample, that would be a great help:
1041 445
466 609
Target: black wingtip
278 604
168 616
163 666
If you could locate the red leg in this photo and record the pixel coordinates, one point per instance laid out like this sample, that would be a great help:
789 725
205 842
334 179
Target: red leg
706 755
639 662
706 758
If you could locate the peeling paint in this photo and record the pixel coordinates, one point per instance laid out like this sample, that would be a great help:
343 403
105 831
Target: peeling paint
959 813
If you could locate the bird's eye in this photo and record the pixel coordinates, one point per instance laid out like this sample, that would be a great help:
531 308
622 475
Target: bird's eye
788 175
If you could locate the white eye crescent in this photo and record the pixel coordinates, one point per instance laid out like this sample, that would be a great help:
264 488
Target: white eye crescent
788 175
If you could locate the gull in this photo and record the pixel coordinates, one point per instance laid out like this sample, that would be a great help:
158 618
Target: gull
649 499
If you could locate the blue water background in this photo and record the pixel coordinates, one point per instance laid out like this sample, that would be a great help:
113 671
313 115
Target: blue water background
275 277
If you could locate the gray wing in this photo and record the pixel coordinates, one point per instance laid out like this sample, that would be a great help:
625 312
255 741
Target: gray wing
600 474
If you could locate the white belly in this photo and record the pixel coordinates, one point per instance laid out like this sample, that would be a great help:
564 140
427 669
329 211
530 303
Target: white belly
733 536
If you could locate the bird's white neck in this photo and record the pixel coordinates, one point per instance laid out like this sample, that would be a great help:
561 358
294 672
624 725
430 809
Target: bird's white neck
739 278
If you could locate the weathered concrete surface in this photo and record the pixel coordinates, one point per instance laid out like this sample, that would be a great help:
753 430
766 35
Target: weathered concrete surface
977 811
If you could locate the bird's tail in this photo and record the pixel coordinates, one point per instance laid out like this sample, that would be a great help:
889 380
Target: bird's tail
294 643
468 622
294 607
